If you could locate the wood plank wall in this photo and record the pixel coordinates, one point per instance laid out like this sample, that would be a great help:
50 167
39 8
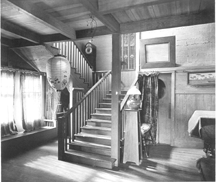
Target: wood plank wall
103 51
188 99
195 47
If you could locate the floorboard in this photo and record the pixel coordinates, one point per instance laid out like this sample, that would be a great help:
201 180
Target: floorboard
41 164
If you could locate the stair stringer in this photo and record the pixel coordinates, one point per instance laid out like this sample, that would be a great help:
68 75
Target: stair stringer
78 81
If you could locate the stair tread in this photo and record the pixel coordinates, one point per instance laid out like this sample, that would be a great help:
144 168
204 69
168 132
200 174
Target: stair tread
90 155
96 127
101 108
101 114
93 136
89 144
106 98
99 120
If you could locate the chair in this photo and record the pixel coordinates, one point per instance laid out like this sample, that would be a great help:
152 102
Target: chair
146 137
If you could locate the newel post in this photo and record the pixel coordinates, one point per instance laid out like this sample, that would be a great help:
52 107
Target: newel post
116 90
61 127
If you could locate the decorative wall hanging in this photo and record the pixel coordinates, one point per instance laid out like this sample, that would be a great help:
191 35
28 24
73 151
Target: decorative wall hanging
58 72
201 78
90 54
157 52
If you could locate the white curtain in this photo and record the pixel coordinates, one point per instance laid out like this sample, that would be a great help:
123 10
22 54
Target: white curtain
21 102
32 108
7 102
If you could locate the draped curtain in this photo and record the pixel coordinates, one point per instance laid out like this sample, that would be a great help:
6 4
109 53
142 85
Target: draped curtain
148 86
21 102
32 112
52 100
7 102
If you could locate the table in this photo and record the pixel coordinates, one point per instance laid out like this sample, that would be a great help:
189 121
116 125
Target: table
198 120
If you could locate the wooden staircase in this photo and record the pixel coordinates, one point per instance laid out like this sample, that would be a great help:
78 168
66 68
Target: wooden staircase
92 145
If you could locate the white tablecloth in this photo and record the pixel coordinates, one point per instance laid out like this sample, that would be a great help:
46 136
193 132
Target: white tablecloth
196 120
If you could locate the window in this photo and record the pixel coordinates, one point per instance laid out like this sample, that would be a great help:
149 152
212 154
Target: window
128 51
21 103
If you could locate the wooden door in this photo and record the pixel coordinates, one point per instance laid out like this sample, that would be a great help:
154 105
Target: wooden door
164 114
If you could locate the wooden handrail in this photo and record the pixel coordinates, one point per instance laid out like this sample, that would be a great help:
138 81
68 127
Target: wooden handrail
86 95
123 102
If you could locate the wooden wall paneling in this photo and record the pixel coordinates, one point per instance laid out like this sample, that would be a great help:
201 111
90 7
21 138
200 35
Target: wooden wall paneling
184 87
186 104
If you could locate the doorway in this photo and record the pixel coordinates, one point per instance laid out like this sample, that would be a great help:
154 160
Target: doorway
164 114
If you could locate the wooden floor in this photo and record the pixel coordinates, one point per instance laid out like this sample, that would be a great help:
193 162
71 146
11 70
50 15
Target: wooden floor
41 165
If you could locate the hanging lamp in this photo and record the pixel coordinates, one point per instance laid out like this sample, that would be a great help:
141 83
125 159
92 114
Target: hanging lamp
58 72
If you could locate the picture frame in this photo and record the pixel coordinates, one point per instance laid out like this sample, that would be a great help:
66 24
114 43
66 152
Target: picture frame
204 78
157 52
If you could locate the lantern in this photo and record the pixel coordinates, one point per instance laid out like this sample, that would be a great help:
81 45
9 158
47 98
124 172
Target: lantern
134 99
58 72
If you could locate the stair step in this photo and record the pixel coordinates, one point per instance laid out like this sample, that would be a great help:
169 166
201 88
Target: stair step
99 122
105 105
95 160
101 116
93 138
107 100
91 148
96 130
103 110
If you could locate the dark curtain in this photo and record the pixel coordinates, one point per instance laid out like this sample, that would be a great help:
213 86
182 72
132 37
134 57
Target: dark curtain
148 86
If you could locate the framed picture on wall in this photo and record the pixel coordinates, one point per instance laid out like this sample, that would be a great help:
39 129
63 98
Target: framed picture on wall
157 52
201 78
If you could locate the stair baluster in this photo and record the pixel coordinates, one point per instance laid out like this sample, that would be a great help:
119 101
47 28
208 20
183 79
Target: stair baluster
76 118
76 58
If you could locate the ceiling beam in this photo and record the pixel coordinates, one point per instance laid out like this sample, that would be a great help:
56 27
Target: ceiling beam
107 20
20 31
87 33
168 22
43 17
53 38
19 53
112 6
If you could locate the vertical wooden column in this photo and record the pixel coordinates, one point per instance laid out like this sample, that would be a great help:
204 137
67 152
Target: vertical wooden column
116 90
61 134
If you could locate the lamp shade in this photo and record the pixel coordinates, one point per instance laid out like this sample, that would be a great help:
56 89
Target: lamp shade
58 72
133 91
134 99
